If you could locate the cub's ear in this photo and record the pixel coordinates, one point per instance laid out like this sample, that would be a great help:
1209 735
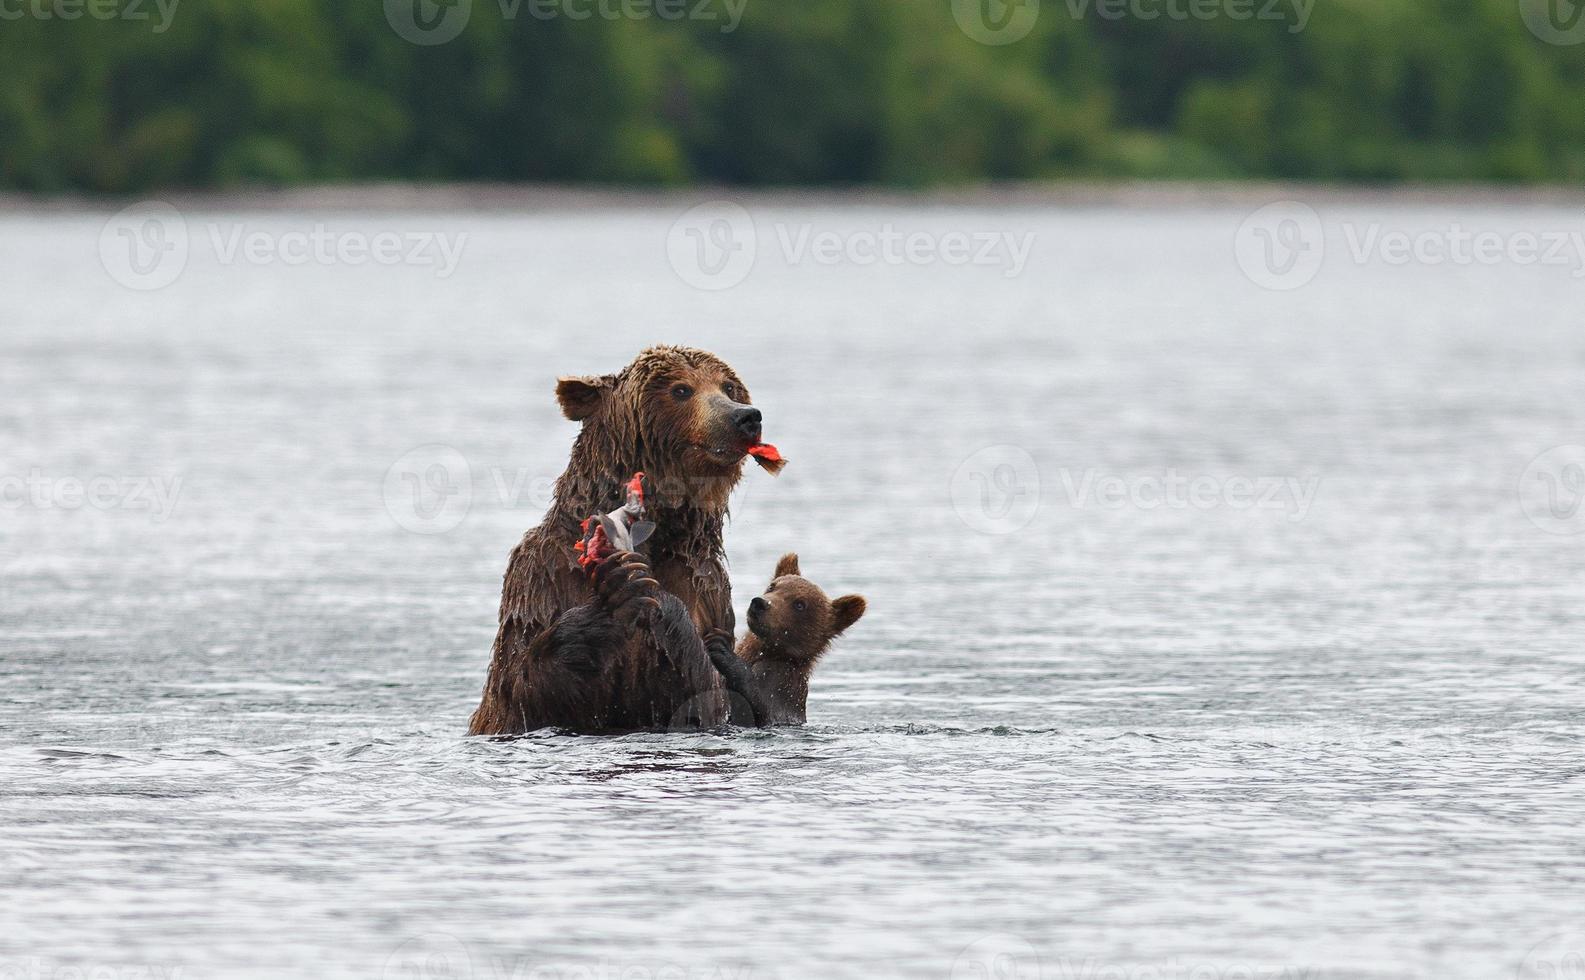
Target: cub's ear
787 566
845 612
579 397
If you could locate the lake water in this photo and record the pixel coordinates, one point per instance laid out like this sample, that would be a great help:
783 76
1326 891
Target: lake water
1215 630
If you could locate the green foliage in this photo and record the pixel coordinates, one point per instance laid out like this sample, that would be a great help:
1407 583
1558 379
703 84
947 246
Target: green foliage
229 92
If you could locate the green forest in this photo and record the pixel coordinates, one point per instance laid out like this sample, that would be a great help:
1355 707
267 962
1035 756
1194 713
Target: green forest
118 96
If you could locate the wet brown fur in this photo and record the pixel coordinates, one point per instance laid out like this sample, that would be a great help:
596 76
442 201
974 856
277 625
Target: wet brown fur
632 421
784 643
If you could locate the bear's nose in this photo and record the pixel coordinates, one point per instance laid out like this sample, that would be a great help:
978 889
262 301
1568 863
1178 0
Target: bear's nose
756 606
747 421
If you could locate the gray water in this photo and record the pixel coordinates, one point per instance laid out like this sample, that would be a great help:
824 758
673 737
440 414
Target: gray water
1215 631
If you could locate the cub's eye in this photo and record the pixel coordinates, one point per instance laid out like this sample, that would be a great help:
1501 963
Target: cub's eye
800 606
681 392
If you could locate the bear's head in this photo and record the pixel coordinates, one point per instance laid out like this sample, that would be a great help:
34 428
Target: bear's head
794 619
681 415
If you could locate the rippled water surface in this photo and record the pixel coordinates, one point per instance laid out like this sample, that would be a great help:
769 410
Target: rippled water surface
1212 631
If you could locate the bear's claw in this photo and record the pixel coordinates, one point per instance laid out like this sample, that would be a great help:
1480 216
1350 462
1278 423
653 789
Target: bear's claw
627 587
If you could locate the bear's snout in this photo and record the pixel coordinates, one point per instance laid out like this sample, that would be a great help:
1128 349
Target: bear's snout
756 606
747 421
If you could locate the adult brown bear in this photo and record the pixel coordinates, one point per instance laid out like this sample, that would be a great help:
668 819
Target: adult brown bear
684 418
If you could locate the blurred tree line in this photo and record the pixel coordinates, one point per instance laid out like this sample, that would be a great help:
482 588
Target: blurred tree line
800 91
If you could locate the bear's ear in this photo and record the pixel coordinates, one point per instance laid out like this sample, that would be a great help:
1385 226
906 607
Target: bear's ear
845 612
787 566
579 397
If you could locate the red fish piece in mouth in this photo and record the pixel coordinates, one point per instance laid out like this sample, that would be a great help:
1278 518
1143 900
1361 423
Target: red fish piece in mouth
767 456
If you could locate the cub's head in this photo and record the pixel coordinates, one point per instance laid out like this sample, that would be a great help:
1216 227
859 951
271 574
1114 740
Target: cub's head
676 410
794 619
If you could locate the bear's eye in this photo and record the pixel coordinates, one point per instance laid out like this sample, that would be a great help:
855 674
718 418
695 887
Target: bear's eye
800 606
732 391
681 392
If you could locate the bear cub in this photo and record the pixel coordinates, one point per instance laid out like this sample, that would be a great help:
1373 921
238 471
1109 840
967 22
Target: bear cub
790 626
